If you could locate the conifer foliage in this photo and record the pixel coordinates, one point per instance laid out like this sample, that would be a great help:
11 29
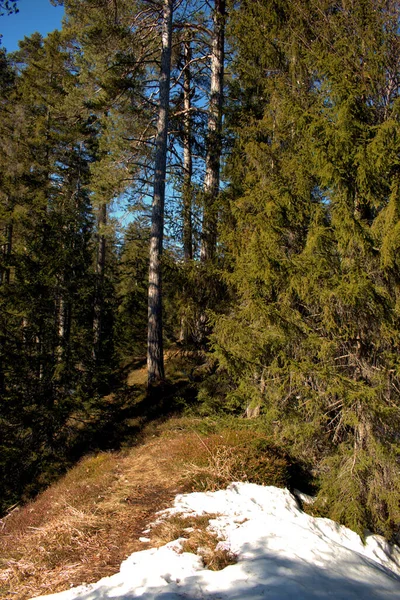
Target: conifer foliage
46 260
313 335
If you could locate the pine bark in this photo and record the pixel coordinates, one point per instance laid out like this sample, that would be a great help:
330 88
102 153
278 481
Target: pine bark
5 279
187 174
155 354
187 156
214 140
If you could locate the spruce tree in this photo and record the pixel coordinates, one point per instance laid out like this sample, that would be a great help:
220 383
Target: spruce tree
45 279
313 334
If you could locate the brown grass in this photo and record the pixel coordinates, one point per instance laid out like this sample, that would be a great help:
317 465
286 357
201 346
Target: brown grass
197 538
212 462
81 528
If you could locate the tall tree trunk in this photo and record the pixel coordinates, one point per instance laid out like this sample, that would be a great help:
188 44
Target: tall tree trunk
63 310
214 141
5 279
7 250
187 156
2 353
100 269
39 355
155 355
187 174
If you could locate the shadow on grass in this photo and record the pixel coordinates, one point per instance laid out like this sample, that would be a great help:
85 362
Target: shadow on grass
117 421
109 422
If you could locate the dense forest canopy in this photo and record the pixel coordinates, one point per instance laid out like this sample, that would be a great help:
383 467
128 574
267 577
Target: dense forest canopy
254 147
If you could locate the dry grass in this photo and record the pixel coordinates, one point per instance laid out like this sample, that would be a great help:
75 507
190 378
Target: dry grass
212 462
81 528
197 537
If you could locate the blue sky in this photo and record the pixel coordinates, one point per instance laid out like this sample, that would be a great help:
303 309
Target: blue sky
34 15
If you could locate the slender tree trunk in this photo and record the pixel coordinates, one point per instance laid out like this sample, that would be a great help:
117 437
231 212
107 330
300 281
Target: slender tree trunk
155 355
60 326
5 279
2 352
100 269
214 141
63 309
7 250
187 156
39 355
187 175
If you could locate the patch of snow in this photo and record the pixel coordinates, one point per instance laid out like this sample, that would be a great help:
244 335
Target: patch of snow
304 498
282 553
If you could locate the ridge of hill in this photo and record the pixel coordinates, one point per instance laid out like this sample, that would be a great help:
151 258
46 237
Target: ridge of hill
85 524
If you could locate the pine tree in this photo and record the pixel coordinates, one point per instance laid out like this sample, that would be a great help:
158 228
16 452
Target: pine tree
187 190
114 50
198 137
155 352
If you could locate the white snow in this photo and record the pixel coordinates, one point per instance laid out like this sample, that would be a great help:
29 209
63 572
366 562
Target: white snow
282 554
